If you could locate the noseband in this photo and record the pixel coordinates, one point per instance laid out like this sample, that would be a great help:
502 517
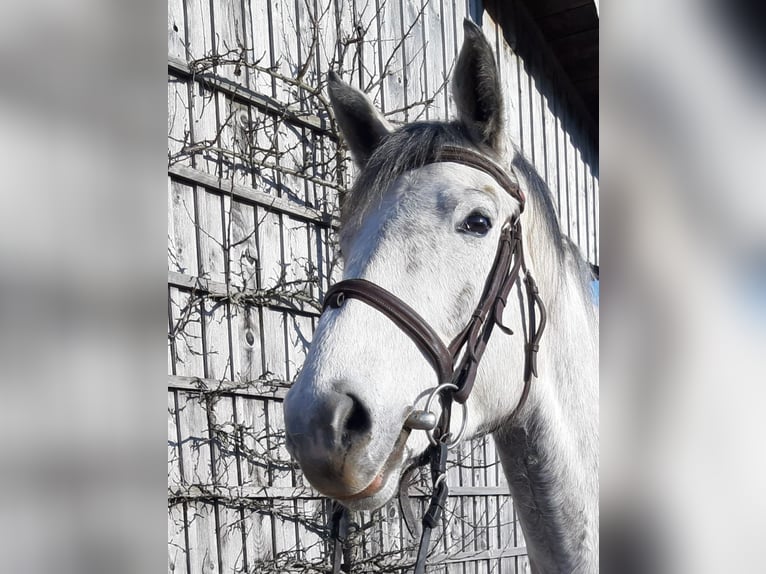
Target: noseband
456 364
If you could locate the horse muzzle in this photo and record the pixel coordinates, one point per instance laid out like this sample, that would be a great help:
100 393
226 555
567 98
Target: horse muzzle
333 441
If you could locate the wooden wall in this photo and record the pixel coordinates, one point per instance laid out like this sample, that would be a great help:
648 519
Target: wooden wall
254 173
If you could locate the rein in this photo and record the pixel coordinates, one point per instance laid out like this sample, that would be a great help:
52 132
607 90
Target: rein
456 364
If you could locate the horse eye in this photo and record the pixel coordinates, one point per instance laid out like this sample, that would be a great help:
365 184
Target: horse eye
476 224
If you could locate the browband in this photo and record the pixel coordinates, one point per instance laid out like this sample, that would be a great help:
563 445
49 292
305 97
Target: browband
471 158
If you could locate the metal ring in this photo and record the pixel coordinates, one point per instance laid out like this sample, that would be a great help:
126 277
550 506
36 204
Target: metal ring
430 433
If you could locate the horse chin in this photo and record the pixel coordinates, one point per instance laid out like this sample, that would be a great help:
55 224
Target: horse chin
380 497
386 482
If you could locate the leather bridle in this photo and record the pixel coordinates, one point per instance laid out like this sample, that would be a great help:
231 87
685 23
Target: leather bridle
455 364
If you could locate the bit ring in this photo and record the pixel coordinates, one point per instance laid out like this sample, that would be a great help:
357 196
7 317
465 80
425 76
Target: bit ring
453 441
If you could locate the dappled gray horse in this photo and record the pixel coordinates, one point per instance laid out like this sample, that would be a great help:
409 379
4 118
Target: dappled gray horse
428 232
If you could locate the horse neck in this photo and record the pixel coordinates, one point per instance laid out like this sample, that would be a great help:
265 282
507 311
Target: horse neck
550 453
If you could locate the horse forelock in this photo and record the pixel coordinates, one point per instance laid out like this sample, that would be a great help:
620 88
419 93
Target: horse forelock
407 148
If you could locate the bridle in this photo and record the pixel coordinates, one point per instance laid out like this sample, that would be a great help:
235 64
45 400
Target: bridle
455 364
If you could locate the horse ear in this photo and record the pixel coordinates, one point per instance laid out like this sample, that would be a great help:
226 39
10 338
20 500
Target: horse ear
476 88
361 124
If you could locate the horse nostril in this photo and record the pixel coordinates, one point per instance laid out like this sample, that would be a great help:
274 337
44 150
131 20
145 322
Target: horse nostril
358 420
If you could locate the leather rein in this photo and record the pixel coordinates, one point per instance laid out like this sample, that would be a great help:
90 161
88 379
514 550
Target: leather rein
456 364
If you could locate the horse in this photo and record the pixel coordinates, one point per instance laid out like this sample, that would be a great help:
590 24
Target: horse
425 234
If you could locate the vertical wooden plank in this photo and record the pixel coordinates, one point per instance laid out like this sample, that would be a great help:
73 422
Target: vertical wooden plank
230 40
182 241
275 364
369 49
284 34
179 135
555 146
348 41
312 545
204 117
327 31
248 42
211 240
414 59
258 524
549 127
290 138
318 264
269 248
493 534
489 27
204 114
459 531
218 321
298 340
236 162
449 52
596 215
199 29
466 504
315 166
195 439
563 191
176 30
186 333
507 62
453 531
261 81
392 61
274 356
223 425
481 525
584 191
588 190
243 250
506 531
195 451
486 517
525 109
177 553
461 12
285 532
217 340
391 529
571 164
331 168
263 129
435 75
538 133
580 184
299 331
171 343
246 342
296 253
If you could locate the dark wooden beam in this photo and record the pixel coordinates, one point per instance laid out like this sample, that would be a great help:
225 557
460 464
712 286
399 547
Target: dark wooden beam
569 22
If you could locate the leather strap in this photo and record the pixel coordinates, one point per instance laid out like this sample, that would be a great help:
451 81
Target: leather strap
403 316
471 158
